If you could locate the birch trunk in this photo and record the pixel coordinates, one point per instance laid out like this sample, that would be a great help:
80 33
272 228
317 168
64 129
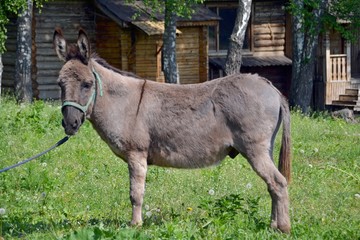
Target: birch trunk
169 48
23 83
233 60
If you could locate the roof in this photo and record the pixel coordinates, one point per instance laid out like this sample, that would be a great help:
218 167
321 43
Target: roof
255 61
152 28
122 12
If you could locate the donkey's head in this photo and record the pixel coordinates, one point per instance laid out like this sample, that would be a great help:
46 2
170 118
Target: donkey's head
76 80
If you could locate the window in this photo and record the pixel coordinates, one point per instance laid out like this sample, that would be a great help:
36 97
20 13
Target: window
219 35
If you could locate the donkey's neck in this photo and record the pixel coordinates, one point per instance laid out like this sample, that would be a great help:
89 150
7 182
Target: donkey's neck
114 113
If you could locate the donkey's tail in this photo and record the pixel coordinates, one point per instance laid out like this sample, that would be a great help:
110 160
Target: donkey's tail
285 151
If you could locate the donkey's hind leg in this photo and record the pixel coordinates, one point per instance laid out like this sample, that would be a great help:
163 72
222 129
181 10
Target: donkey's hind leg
261 161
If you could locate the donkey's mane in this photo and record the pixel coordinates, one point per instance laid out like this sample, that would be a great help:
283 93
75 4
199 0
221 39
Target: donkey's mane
105 64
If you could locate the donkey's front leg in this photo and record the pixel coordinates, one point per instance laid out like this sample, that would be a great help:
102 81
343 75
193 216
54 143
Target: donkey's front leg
137 171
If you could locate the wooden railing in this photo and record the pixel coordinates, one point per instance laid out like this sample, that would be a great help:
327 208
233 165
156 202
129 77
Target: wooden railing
338 67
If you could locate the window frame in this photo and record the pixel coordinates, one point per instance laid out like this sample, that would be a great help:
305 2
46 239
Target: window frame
218 52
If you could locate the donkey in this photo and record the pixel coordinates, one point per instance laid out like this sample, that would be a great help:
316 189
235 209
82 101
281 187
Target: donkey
181 126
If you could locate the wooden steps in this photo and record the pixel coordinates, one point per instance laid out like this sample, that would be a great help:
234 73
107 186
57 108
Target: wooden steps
350 99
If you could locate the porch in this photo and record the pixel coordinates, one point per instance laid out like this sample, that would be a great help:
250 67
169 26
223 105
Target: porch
342 87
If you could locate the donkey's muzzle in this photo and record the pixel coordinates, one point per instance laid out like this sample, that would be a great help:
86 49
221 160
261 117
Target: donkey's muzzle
73 119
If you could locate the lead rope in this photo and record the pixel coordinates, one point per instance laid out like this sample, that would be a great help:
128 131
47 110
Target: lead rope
62 141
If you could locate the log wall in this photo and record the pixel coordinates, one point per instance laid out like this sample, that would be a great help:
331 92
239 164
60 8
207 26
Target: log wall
268 27
8 58
109 41
70 16
188 55
126 48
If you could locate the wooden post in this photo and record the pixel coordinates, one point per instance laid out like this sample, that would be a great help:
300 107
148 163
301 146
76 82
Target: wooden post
348 59
327 72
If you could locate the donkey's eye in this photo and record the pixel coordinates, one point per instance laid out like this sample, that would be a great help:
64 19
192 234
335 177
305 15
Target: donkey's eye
86 85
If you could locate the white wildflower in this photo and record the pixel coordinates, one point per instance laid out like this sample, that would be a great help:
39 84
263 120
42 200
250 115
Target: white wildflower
44 164
148 214
249 185
310 165
2 211
211 192
147 207
357 195
302 151
316 150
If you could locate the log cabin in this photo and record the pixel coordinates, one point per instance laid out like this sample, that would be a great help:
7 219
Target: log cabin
267 44
267 51
127 36
134 44
337 80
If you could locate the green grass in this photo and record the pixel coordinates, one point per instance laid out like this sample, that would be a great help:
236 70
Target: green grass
80 190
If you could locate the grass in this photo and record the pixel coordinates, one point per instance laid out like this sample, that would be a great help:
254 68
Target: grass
80 190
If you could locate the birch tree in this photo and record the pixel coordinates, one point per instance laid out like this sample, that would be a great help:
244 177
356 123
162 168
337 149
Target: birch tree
234 54
170 68
23 82
12 8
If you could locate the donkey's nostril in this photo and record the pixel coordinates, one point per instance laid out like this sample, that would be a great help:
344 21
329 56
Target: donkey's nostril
75 124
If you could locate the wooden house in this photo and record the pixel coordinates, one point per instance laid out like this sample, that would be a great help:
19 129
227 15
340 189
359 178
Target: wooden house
135 44
268 51
127 42
338 72
267 44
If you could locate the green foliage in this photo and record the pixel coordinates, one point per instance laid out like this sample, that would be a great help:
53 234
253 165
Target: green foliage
182 8
335 14
11 8
81 189
344 11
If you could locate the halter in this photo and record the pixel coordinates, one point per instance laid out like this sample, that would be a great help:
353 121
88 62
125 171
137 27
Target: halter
91 99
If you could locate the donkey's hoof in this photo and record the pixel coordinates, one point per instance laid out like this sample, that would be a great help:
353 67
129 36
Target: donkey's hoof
136 223
284 228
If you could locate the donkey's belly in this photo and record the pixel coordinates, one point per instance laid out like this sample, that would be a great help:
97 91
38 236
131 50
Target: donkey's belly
198 158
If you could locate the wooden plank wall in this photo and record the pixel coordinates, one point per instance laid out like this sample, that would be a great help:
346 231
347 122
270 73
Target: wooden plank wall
334 89
203 54
70 16
188 55
125 45
8 58
268 27
146 55
108 41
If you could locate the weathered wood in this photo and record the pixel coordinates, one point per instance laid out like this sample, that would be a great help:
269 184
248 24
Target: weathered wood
68 15
269 43
334 89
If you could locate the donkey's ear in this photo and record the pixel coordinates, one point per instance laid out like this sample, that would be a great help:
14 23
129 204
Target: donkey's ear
60 44
84 44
